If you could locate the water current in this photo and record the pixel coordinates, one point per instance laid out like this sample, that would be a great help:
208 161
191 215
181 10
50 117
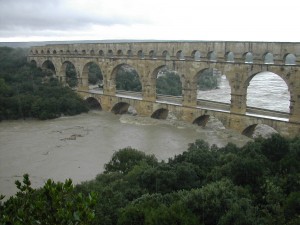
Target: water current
78 147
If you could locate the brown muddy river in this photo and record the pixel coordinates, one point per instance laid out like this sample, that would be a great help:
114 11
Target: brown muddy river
78 147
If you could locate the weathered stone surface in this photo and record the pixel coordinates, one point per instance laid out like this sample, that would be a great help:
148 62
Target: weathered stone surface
239 61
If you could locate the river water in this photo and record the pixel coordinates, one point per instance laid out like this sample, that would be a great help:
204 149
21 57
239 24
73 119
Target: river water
266 90
78 147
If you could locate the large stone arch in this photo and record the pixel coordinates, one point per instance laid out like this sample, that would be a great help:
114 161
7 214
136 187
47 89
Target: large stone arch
155 72
222 79
49 65
278 72
63 69
111 80
120 108
85 72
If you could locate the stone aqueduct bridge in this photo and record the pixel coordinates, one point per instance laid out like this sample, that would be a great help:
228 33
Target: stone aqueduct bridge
239 61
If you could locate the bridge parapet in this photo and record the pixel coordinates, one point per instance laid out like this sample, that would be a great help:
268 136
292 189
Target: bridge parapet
273 53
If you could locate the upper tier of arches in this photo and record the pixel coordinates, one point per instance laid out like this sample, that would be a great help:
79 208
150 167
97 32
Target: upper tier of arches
256 53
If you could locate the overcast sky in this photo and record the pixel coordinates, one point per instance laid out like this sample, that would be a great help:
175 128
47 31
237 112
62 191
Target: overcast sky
229 20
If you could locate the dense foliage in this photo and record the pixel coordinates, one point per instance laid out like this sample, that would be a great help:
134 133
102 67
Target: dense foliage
169 84
255 184
207 80
27 91
127 79
54 203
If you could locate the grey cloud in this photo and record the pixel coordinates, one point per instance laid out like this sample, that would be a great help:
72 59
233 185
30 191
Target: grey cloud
17 16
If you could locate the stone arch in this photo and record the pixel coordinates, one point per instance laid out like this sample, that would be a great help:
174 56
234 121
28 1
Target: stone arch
152 54
180 55
166 55
120 53
54 52
42 51
201 120
129 53
129 69
229 57
48 51
290 59
92 52
48 65
211 56
93 103
160 114
267 83
68 52
211 85
86 79
196 55
61 51
140 54
83 52
258 129
167 82
33 63
248 57
120 108
101 53
110 53
69 73
268 58
76 52
36 52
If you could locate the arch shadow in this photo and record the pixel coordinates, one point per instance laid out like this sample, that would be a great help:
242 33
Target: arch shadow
93 103
161 114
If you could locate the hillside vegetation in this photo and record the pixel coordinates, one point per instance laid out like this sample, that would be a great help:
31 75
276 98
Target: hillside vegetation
256 184
27 91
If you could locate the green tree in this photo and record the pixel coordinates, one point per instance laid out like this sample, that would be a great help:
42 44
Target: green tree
54 203
125 159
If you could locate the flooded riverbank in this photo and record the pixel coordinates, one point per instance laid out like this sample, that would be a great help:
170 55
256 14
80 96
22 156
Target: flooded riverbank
78 147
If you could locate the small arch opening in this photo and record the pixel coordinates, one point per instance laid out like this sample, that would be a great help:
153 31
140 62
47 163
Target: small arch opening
61 51
110 53
36 52
141 54
259 130
166 55
211 56
76 52
129 53
83 52
120 53
196 55
229 57
268 58
152 54
290 59
248 57
201 120
101 53
92 52
93 103
161 114
180 55
48 51
120 108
